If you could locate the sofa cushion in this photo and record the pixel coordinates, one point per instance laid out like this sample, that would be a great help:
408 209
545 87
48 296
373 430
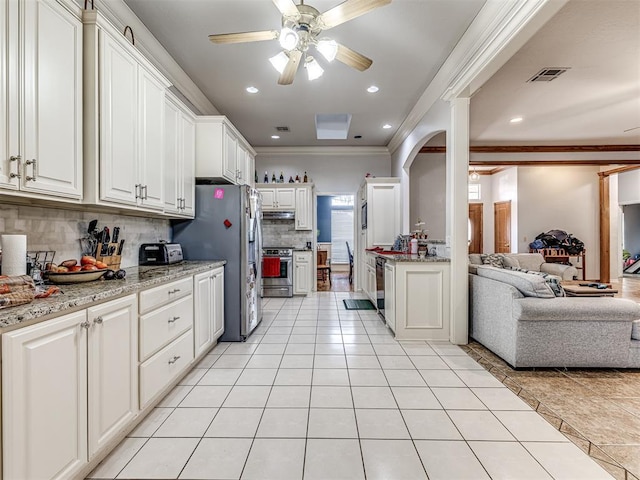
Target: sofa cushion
529 285
475 259
493 259
635 330
510 261
552 280
529 261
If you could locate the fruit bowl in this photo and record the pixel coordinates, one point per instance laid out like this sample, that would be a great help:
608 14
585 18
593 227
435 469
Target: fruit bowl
76 277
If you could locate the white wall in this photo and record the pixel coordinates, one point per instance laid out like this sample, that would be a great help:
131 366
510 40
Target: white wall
486 198
504 187
629 187
428 200
566 198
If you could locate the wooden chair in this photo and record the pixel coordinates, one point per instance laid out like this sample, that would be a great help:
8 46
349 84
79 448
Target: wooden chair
323 270
350 263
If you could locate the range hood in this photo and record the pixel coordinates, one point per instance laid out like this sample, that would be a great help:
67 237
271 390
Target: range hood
270 215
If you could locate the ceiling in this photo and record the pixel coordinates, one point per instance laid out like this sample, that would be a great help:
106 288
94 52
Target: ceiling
593 102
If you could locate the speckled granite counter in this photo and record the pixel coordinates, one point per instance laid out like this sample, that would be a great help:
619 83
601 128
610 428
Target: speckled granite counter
414 258
87 294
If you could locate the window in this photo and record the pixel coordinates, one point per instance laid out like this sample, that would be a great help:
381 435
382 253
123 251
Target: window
474 191
341 227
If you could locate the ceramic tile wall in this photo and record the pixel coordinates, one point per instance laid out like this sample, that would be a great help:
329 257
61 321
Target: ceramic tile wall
60 230
282 233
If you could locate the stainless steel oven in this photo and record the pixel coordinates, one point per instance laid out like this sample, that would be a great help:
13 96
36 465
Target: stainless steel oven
277 272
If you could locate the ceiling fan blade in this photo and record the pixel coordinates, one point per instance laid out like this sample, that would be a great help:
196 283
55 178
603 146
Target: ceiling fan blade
289 72
348 10
287 8
243 37
353 58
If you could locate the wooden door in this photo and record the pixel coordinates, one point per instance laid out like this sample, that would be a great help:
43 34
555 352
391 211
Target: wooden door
475 225
502 226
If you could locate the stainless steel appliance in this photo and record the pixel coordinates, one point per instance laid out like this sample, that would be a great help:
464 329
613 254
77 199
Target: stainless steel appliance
228 226
278 281
380 263
160 253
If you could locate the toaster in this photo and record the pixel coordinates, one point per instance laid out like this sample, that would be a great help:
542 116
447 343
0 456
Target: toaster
160 253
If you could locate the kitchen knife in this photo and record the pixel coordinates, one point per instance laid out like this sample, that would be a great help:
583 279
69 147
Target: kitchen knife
120 247
92 227
104 251
116 234
105 235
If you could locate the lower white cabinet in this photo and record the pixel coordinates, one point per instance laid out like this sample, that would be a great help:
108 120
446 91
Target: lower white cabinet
390 296
208 320
302 278
68 386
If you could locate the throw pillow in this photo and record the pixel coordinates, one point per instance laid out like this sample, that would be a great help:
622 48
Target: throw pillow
635 330
551 280
510 262
493 260
529 285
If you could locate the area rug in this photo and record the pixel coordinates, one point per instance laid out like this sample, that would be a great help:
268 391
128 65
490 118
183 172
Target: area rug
351 304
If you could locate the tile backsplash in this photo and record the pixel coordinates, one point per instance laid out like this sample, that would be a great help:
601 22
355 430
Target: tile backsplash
282 233
61 230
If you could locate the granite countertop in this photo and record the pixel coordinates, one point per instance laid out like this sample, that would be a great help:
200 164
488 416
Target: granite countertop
415 258
89 293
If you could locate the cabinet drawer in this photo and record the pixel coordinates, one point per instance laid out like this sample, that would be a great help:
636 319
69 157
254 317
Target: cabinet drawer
157 372
302 257
164 294
160 326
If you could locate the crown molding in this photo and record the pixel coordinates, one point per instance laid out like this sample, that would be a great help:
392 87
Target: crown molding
120 15
323 151
538 148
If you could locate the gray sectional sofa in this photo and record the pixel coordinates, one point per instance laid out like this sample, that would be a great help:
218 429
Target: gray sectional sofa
514 315
528 261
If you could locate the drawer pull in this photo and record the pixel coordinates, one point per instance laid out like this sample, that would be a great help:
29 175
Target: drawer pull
85 324
171 320
174 359
175 290
98 320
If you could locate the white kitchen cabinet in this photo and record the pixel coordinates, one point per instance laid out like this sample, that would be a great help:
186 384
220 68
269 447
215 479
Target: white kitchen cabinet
112 369
370 278
44 399
278 198
304 208
124 119
390 296
221 151
41 98
179 158
208 320
302 273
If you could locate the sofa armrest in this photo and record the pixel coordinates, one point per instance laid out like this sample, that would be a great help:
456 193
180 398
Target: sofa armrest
568 309
566 272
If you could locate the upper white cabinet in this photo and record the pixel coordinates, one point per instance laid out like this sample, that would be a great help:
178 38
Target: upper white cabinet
278 198
124 113
179 158
382 196
222 153
304 208
41 98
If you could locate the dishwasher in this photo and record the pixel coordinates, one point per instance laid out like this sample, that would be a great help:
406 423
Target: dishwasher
380 263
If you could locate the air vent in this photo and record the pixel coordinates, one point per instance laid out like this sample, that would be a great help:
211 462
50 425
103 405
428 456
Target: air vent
548 74
282 129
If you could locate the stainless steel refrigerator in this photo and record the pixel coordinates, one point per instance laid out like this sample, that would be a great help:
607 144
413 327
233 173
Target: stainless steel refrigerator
228 226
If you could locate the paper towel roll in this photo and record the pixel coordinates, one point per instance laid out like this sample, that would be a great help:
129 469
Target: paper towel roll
14 255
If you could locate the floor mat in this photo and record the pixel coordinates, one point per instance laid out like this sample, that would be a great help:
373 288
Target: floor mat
351 304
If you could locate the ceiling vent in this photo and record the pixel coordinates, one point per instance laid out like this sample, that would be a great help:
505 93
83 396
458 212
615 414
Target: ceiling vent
548 74
283 129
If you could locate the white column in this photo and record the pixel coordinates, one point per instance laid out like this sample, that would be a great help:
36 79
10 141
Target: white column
457 216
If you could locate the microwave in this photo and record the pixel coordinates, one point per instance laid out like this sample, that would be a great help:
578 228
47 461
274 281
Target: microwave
363 216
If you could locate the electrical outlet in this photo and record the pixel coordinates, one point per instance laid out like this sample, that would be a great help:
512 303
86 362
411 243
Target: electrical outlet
524 239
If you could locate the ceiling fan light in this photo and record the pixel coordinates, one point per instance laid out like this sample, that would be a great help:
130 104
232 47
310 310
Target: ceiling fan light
314 70
288 38
279 61
328 48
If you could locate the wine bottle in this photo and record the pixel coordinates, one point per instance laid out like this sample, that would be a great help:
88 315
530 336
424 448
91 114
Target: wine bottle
273 178
305 178
266 177
281 177
255 176
290 179
297 178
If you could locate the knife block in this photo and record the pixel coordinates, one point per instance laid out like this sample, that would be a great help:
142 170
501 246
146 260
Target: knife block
112 261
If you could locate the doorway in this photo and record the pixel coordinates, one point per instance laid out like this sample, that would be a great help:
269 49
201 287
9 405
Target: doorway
502 226
475 227
335 214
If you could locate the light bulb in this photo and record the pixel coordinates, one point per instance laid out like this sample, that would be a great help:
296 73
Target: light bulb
279 61
288 38
328 48
474 176
314 70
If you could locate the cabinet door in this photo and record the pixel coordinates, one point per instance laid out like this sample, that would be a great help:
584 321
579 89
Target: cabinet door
172 124
218 303
390 296
44 399
286 198
52 129
151 135
383 213
242 175
229 156
203 313
268 198
9 145
301 273
303 209
112 369
118 123
188 166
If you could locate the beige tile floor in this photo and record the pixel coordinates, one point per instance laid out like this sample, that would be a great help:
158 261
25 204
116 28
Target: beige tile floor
319 393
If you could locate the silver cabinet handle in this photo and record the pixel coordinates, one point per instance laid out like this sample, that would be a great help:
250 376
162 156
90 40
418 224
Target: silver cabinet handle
175 290
98 321
33 163
138 187
173 319
15 158
174 359
85 324
143 187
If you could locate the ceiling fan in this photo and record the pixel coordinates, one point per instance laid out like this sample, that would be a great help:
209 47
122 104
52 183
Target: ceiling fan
301 28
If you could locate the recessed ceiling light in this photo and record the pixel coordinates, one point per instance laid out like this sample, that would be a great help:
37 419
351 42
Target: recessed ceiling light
516 120
275 137
372 89
386 126
252 90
